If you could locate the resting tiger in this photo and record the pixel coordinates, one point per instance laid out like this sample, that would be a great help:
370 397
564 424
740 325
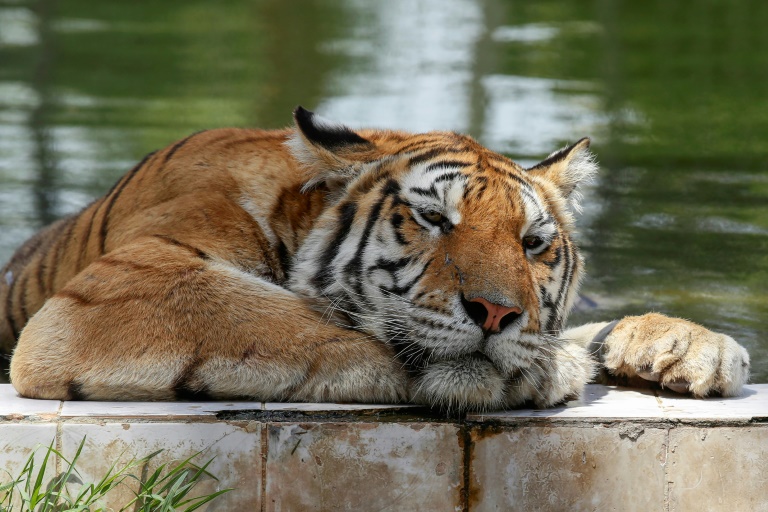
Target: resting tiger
324 264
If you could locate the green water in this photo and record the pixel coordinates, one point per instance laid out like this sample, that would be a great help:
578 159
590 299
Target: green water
674 95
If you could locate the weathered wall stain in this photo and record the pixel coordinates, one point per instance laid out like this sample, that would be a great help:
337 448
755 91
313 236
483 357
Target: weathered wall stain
365 466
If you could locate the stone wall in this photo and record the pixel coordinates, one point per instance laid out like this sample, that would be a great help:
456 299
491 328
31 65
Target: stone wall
616 449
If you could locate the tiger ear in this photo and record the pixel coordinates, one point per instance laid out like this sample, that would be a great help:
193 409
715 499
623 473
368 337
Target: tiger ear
567 169
329 152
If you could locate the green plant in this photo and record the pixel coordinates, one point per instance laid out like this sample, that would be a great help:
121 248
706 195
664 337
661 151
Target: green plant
166 489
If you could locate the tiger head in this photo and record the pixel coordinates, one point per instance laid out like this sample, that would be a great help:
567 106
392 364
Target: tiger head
459 258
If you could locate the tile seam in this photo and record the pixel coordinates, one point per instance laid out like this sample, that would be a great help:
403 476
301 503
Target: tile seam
58 440
667 440
264 459
466 435
263 434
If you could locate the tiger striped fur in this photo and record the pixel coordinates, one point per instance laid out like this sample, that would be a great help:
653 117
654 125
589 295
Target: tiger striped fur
325 264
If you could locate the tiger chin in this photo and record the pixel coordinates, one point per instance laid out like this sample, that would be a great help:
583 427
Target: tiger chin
321 263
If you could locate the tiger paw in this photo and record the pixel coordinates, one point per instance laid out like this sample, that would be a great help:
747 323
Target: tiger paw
680 355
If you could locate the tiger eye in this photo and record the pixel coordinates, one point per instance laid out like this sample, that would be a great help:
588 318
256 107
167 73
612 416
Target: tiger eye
435 218
532 242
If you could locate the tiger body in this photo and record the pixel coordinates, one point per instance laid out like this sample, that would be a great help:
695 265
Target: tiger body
324 264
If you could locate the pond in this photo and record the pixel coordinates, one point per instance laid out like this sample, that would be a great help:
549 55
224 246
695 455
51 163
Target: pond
673 94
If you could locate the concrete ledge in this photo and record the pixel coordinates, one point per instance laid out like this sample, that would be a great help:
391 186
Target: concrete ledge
617 449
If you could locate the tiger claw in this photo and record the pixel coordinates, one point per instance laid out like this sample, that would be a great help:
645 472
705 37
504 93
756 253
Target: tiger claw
649 375
681 356
681 387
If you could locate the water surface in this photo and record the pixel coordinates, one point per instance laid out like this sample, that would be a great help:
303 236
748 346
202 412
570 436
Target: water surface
674 96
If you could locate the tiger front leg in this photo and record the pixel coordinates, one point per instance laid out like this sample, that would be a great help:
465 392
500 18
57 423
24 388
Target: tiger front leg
678 354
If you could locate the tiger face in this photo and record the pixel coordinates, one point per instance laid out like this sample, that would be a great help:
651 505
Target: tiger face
456 256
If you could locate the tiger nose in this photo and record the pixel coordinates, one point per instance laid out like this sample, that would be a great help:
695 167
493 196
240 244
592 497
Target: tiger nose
490 317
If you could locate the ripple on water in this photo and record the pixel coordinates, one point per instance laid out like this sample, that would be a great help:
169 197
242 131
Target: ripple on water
728 226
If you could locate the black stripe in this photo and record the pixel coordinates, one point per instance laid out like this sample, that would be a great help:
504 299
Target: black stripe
373 178
284 257
62 241
79 298
435 324
468 190
412 355
24 256
9 312
573 269
353 267
41 268
197 252
420 295
39 274
543 219
178 146
446 164
527 188
426 192
448 176
547 302
22 300
350 308
560 300
132 265
391 188
403 289
390 266
112 196
525 191
556 261
322 279
397 223
432 153
499 158
134 168
515 177
75 391
183 388
84 243
412 146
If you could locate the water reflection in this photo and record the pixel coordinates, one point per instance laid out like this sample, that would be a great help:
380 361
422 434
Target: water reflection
531 116
18 27
419 66
673 95
409 67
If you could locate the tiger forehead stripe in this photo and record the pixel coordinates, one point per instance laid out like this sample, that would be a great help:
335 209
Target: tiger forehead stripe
446 164
437 186
538 220
524 186
432 154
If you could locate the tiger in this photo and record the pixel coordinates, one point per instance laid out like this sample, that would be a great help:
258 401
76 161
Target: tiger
321 263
